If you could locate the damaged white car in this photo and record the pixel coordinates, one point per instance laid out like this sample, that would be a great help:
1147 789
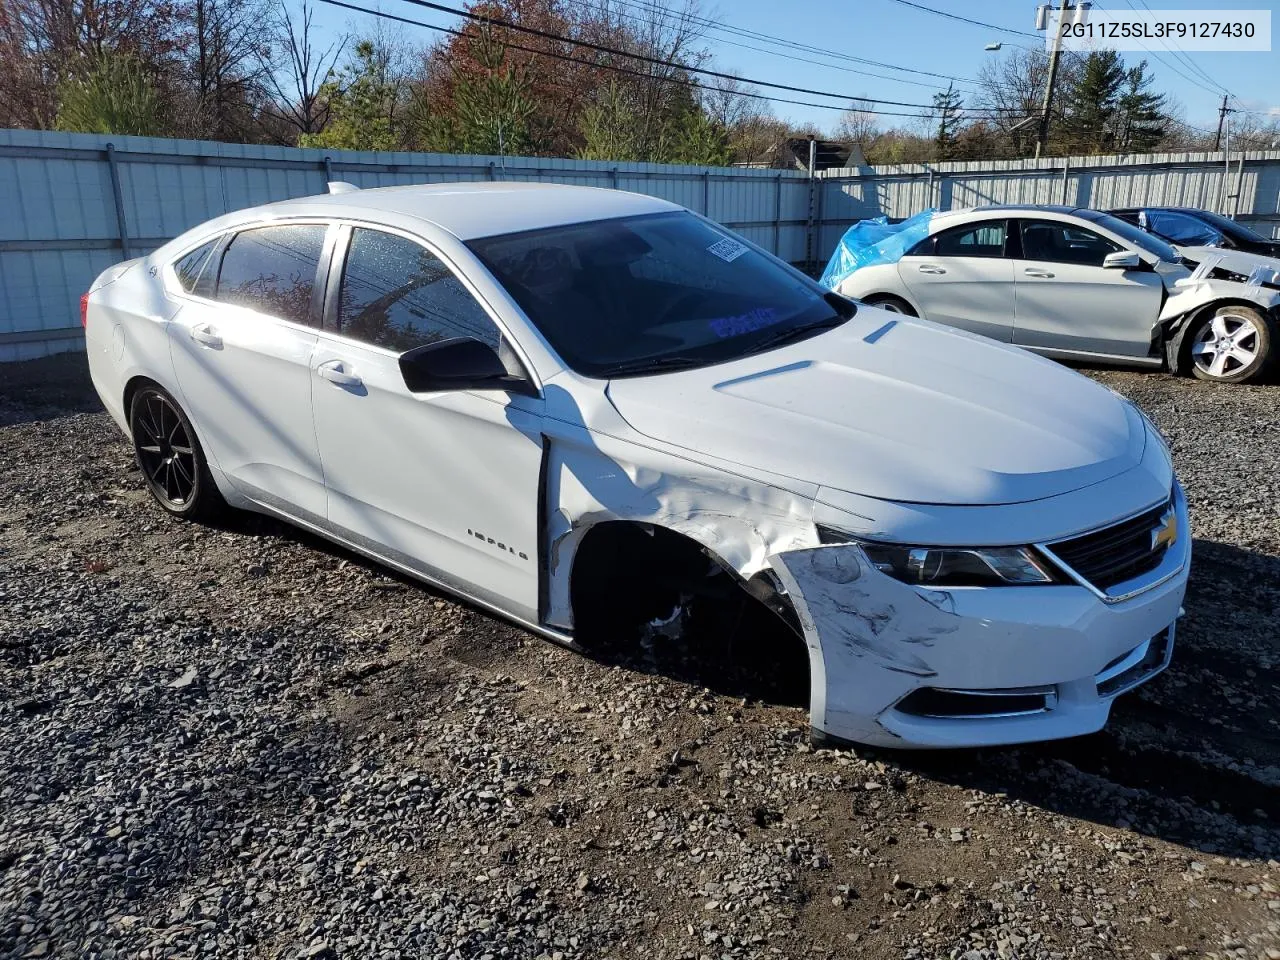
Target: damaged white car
1076 285
593 412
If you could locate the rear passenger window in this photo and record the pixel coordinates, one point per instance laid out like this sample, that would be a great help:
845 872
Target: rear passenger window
973 240
398 295
273 270
195 271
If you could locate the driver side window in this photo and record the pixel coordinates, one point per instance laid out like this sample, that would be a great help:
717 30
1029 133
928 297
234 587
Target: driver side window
397 294
1057 242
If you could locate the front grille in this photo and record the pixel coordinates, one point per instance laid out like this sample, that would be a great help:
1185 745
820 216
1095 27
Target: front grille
1117 553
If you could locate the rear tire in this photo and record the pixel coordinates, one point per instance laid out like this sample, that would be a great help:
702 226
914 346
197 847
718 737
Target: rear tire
1230 345
887 301
169 455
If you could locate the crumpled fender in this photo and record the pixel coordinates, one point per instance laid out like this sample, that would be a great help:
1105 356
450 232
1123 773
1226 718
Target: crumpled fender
871 638
1191 300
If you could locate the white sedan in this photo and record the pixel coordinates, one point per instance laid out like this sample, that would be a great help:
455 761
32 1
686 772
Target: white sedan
595 412
1077 285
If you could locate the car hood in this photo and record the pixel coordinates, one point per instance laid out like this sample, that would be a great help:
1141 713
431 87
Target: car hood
897 409
1238 261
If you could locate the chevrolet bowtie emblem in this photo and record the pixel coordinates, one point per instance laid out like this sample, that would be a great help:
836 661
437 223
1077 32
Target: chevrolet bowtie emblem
1166 533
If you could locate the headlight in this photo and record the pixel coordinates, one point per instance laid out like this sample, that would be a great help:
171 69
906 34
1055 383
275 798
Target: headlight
951 566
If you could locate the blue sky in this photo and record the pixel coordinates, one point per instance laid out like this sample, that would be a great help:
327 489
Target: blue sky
891 32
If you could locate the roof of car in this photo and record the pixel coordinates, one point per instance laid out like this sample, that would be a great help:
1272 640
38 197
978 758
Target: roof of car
470 210
1010 208
1191 211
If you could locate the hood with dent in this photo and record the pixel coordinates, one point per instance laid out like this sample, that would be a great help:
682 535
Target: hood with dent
1238 261
897 409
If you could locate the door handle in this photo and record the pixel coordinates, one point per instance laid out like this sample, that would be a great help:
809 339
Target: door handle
930 268
337 371
1043 274
206 334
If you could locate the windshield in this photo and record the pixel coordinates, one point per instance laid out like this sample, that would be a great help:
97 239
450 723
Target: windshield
631 295
1134 235
1230 227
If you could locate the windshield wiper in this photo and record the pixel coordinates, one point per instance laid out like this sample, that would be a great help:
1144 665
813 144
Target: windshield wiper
653 364
783 337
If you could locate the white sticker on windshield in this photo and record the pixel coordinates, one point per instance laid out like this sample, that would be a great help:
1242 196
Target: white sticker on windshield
727 250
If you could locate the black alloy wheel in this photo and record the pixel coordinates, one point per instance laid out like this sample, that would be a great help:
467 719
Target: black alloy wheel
170 457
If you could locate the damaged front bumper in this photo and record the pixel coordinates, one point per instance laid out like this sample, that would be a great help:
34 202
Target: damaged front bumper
893 664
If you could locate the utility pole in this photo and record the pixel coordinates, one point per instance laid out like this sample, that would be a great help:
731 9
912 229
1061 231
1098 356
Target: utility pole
1222 113
1042 138
1226 161
1080 9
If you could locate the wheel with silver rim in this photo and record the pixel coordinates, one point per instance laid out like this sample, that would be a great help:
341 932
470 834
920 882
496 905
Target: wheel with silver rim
1231 345
170 458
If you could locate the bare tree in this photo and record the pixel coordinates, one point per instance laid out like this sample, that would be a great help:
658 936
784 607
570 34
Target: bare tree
296 86
229 63
858 124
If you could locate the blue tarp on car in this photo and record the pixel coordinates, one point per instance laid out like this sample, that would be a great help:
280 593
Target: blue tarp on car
874 241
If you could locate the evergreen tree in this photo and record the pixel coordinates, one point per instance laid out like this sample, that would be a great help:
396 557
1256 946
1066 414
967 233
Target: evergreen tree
608 127
113 94
1090 105
947 105
696 138
361 100
1141 119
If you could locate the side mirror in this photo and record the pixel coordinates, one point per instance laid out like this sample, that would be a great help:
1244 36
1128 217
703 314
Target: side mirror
459 364
1124 260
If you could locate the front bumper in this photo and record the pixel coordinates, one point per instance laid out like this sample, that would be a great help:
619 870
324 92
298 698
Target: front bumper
1008 664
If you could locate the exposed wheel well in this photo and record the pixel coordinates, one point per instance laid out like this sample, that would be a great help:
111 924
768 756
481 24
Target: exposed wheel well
891 302
132 387
630 580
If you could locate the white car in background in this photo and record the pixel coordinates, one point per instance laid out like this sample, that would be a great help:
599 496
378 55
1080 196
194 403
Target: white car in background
595 412
1077 285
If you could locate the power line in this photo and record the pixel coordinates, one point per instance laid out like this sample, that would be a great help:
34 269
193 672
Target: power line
976 23
613 51
782 42
623 70
1175 53
732 31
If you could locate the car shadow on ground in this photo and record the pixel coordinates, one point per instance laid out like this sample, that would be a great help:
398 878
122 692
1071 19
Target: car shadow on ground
46 389
1184 758
1193 756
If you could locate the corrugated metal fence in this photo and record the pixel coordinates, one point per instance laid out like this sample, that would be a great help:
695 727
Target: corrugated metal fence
1250 188
72 204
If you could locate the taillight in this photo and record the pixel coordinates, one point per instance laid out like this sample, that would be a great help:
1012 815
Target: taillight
84 310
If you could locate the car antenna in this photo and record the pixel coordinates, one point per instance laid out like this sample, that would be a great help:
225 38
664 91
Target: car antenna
341 186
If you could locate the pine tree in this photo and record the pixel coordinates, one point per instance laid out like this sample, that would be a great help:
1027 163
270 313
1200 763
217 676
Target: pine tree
947 105
1141 120
1091 103
114 94
361 101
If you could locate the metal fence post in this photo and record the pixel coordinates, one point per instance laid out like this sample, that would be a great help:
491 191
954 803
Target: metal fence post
1066 169
114 169
706 193
613 177
328 170
777 216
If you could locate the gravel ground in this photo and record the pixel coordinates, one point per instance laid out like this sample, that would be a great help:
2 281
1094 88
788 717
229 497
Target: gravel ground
243 742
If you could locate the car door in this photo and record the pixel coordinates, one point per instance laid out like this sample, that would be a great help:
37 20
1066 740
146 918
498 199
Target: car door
963 278
241 345
445 483
1067 301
